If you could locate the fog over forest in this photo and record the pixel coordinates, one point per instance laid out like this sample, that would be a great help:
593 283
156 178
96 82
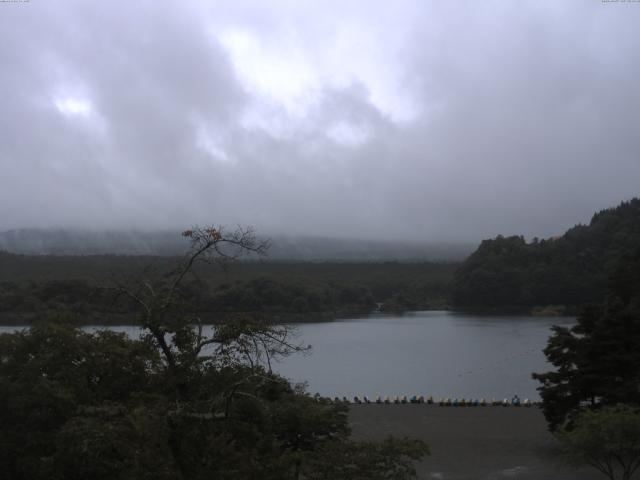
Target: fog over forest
423 121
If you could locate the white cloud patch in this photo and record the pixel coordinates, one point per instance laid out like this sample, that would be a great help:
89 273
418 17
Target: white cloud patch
73 106
211 143
279 74
348 134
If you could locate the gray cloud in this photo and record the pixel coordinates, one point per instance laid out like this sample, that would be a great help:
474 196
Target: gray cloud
434 121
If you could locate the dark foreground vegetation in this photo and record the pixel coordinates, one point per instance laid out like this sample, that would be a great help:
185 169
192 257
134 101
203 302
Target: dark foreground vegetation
75 405
31 286
174 404
570 270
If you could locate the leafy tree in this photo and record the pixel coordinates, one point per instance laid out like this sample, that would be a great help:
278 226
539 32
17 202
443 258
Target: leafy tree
48 374
607 439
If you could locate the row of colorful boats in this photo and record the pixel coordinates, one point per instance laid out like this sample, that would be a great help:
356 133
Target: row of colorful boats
443 402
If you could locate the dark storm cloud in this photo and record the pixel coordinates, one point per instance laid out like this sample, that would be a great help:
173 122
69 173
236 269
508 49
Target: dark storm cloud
424 120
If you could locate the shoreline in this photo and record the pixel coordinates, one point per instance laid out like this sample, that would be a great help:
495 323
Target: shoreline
25 319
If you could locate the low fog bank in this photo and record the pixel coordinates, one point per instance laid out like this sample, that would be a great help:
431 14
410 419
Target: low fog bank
293 248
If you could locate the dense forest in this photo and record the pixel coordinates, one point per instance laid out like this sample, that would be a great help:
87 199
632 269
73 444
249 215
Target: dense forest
570 270
86 286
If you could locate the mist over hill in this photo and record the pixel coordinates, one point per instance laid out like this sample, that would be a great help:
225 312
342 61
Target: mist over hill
122 242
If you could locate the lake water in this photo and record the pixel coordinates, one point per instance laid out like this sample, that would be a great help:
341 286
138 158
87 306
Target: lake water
444 354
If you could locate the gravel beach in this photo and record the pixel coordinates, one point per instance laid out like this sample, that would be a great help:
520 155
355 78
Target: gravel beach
471 443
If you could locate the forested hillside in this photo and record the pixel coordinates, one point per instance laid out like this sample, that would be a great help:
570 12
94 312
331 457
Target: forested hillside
569 270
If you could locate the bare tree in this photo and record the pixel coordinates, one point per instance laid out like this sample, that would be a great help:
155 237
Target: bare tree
181 339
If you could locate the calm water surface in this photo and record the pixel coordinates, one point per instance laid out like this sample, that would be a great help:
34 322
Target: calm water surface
444 354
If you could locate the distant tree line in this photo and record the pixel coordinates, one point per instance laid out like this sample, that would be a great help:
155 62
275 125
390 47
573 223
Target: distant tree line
31 286
569 270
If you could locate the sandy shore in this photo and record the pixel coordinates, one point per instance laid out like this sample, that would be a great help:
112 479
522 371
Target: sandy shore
472 443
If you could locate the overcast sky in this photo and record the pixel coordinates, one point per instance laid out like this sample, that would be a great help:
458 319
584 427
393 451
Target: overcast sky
401 120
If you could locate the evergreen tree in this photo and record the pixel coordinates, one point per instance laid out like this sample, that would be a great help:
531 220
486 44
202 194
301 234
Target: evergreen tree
598 360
